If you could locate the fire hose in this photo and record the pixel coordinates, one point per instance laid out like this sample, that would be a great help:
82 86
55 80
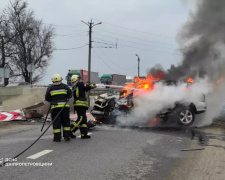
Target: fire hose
46 118
10 159
3 164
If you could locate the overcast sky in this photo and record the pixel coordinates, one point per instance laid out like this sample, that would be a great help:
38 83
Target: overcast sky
145 27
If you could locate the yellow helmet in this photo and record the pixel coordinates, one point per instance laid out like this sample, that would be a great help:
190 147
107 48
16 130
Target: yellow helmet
75 78
56 78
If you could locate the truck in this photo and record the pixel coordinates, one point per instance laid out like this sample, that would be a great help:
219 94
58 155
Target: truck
113 79
129 79
84 76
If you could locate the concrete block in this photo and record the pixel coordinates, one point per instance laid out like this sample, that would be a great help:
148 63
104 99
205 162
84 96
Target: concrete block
32 100
11 92
33 113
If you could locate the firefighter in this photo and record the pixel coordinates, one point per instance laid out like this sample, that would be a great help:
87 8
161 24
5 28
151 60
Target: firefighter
58 94
80 91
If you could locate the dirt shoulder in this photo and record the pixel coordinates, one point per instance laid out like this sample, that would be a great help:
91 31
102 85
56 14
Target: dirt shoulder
204 164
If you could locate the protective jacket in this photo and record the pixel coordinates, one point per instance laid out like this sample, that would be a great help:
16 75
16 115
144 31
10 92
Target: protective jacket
80 94
58 94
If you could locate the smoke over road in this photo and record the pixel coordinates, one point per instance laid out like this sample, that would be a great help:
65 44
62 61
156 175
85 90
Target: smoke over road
163 97
202 41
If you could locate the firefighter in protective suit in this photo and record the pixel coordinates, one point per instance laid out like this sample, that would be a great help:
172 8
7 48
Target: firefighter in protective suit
80 91
58 94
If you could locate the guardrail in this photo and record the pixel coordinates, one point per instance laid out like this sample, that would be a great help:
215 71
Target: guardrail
101 90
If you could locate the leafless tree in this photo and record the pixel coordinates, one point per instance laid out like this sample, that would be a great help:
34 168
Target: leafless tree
27 41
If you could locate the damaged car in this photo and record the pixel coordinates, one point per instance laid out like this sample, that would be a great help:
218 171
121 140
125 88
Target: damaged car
183 113
108 106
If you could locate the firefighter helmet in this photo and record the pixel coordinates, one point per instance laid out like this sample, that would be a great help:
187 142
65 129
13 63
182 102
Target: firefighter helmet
56 78
75 78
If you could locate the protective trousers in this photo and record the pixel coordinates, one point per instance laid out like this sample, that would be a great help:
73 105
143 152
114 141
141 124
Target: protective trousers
61 120
81 121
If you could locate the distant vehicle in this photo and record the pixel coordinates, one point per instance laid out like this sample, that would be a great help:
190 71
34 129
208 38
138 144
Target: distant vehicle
84 76
100 86
129 79
113 79
140 77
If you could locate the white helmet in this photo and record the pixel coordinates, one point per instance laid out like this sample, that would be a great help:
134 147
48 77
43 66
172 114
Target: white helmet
56 78
74 78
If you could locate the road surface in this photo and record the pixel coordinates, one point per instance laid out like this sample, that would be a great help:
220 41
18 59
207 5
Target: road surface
111 153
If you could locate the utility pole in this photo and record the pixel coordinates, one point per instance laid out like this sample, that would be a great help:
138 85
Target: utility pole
90 25
3 43
5 82
3 59
138 64
3 51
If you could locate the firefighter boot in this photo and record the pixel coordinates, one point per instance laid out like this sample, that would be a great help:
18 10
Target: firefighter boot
66 138
56 140
57 137
85 136
72 135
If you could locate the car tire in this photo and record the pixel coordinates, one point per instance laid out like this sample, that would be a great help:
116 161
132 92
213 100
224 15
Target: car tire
184 116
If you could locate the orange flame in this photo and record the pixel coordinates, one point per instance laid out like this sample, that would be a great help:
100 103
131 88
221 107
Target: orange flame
95 120
154 121
219 81
141 86
190 80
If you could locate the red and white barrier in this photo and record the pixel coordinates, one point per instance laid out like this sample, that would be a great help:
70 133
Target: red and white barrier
12 115
74 116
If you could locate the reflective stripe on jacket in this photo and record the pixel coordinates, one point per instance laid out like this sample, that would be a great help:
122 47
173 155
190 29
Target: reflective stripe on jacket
59 106
57 95
80 94
57 92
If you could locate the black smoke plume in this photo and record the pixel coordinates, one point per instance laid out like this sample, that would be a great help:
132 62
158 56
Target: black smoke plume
202 41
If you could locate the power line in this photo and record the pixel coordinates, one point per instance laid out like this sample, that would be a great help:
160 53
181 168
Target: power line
144 48
103 43
65 49
71 35
153 34
104 62
132 71
105 47
104 40
64 26
144 44
131 36
148 49
112 60
74 35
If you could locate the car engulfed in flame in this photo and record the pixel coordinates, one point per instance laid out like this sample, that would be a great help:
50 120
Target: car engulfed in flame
106 105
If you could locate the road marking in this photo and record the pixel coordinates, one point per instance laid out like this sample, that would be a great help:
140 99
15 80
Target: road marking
80 135
37 155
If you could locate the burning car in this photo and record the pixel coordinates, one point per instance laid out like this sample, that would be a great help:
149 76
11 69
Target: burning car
183 112
110 105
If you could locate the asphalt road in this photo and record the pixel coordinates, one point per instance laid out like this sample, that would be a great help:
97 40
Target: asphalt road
111 153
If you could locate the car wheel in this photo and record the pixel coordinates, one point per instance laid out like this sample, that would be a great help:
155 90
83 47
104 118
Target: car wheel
185 116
